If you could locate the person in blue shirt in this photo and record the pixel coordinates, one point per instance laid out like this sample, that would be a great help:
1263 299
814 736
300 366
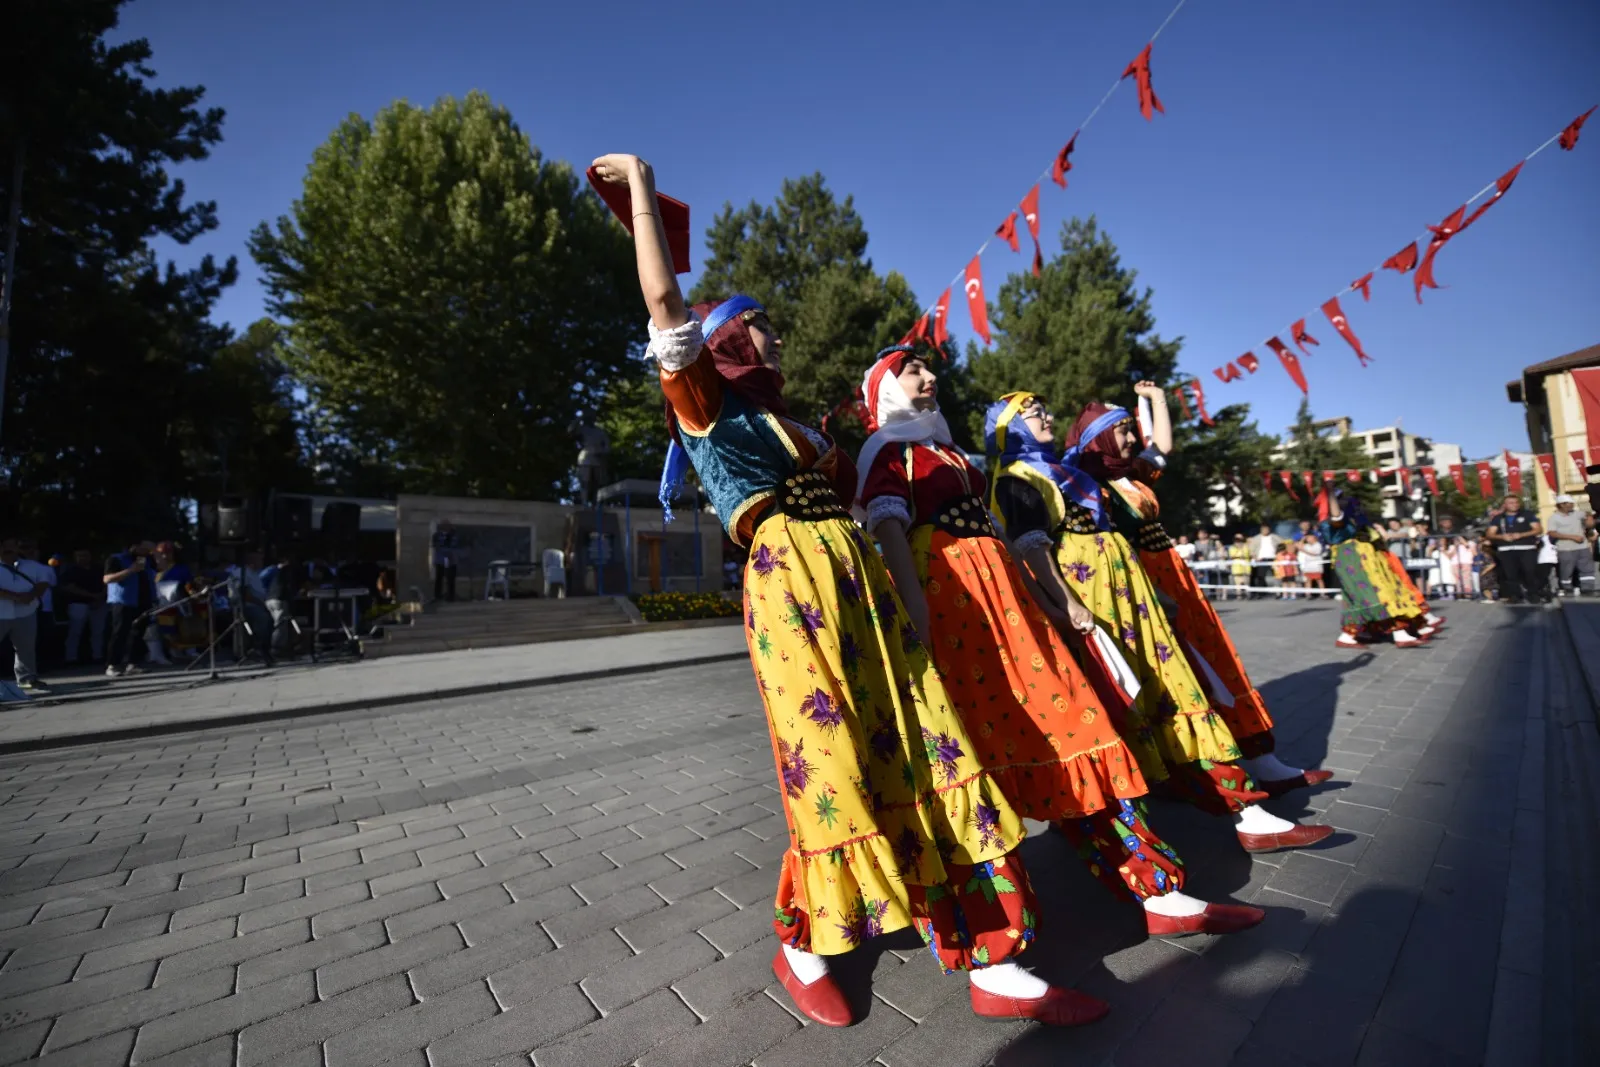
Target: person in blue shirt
129 592
1516 535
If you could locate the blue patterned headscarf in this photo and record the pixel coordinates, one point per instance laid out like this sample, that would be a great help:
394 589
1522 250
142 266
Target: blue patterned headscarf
1007 439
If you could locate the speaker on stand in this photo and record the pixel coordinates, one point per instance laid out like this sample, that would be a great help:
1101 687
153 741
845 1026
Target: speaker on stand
235 521
291 522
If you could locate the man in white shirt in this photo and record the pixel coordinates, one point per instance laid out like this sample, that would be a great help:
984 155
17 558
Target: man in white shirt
19 601
45 616
1263 550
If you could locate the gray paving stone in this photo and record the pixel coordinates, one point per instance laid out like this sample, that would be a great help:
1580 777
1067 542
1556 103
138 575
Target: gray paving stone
285 872
29 979
135 1009
113 1048
398 958
737 929
579 924
811 1045
234 950
312 905
236 904
314 1023
86 942
610 882
49 929
23 1042
1309 877
511 918
154 948
622 1037
506 950
526 981
307 957
583 846
695 880
508 873
654 845
654 969
228 1015
685 915
730 1038
359 911
413 1028
518 1031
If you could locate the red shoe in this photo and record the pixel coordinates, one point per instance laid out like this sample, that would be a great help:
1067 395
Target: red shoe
821 1001
1299 837
1288 785
1216 919
1059 1007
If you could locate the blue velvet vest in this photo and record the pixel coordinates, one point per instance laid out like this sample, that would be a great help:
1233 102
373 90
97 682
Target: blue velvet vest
741 458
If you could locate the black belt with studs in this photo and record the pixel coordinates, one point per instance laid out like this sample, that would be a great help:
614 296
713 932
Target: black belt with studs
810 496
1152 537
965 516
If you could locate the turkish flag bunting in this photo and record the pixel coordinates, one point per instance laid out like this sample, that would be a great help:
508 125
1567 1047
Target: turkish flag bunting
1249 362
1501 184
1547 466
919 332
1441 236
1228 372
1291 363
1306 479
1579 462
1459 477
1402 260
1364 283
976 305
1513 472
1569 136
1288 482
1485 480
1301 338
1335 315
1140 69
1266 480
941 320
1058 173
1352 476
1431 476
1030 215
1200 401
1328 476
1007 231
1183 402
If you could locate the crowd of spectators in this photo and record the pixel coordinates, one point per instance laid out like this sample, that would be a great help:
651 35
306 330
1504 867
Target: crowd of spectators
145 607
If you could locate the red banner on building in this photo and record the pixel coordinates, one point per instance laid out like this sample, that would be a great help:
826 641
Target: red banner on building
1485 480
1547 467
1513 472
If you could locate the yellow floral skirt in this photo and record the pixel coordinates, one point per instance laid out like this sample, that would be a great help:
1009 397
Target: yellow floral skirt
887 806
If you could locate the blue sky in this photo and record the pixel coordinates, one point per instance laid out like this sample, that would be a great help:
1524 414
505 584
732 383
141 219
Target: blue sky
1302 144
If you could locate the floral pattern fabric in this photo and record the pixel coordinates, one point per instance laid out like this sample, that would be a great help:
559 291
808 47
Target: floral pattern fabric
1122 851
1410 596
985 914
1037 725
882 792
1373 606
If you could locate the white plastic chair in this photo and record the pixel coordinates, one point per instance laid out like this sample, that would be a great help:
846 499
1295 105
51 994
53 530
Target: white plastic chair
499 578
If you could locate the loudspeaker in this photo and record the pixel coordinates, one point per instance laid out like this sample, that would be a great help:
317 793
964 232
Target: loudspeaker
235 521
291 520
341 528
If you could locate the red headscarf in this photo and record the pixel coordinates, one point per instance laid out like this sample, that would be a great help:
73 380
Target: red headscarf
734 355
1100 458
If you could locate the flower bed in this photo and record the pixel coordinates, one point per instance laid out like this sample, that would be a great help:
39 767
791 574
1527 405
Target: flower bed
675 607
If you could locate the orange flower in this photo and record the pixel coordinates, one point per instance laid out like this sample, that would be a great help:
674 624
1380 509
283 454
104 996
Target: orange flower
1088 715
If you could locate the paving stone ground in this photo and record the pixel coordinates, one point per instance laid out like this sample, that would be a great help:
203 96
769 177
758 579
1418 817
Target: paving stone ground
582 874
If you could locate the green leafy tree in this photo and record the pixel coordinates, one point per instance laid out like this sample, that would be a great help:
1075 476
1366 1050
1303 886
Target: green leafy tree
1212 469
1078 332
1309 449
804 257
452 301
256 433
107 387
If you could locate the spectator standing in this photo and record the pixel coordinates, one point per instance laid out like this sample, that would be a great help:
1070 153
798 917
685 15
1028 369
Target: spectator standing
19 604
129 592
84 596
1310 559
1574 554
1488 570
44 615
1545 582
1263 550
1287 572
1184 548
444 549
1515 536
1239 554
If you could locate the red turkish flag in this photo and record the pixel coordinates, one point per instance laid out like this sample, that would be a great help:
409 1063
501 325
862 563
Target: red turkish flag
1266 480
1547 466
1328 476
1458 476
1007 232
1402 260
1501 184
1306 479
1058 173
1291 363
918 332
1485 480
941 320
1448 228
1301 338
1288 482
1335 315
1140 69
1228 372
1183 401
1513 472
1569 136
1580 462
976 305
1249 362
1364 283
1200 401
1353 477
1431 476
1030 215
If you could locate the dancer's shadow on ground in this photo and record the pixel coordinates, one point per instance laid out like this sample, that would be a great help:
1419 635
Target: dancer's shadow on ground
1304 705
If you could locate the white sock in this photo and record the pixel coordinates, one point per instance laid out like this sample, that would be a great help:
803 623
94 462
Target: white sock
1431 619
807 966
1270 768
1009 980
1347 639
1403 638
1174 905
1255 819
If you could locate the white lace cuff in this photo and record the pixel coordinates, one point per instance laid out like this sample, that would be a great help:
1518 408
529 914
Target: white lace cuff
880 508
1031 540
677 347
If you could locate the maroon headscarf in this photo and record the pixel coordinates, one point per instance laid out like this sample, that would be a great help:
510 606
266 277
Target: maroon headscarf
1100 458
734 355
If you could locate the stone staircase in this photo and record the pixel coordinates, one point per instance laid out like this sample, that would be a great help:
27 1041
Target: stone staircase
491 623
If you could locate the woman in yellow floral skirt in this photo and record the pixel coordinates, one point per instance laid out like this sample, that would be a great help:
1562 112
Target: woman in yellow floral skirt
1171 727
892 822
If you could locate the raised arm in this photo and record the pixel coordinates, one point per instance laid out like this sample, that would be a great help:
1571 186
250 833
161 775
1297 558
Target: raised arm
662 296
1160 417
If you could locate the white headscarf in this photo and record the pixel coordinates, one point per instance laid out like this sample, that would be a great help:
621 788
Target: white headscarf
894 417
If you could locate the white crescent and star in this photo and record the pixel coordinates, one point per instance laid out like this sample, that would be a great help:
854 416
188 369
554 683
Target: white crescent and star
974 287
